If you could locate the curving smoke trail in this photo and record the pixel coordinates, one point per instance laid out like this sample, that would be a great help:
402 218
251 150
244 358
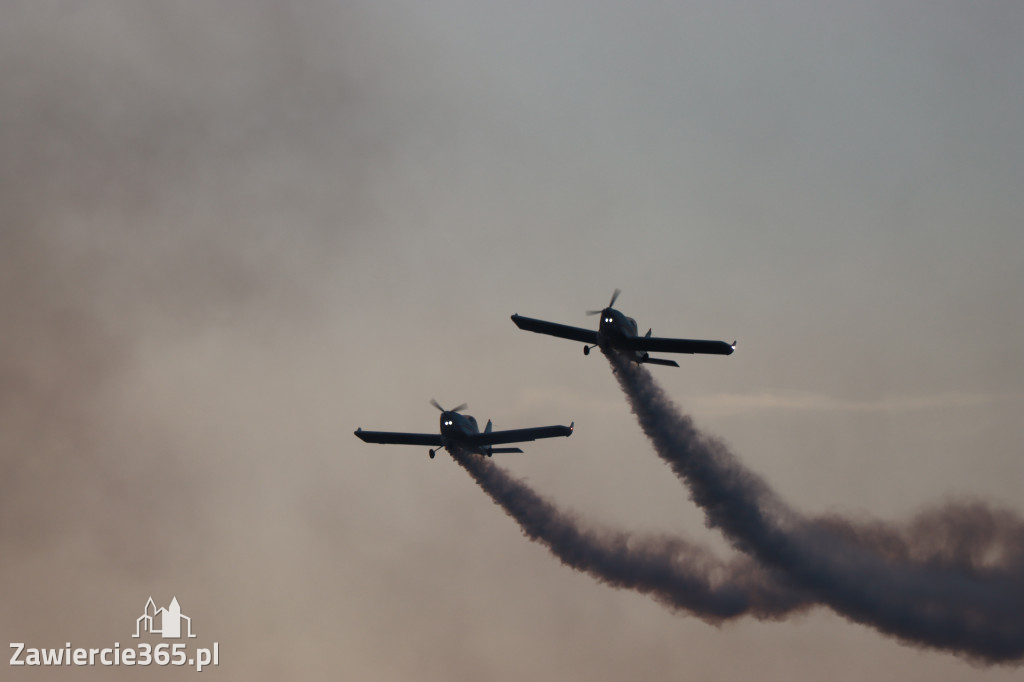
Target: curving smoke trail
678 574
951 579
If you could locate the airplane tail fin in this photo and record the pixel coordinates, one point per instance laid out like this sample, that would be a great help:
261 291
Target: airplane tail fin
487 429
660 361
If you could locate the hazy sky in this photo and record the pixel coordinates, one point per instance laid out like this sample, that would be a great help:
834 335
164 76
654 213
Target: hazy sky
234 232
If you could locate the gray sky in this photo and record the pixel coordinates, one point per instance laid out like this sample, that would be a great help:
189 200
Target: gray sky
235 232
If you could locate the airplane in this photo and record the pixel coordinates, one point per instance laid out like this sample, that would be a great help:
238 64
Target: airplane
461 431
620 332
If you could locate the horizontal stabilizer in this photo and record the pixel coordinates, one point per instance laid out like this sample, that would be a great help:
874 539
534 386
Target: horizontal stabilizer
659 361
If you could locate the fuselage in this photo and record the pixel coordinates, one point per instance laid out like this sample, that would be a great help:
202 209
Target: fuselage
455 430
455 426
615 328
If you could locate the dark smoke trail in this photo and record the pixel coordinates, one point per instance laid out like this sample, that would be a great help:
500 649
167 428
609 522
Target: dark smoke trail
678 574
953 579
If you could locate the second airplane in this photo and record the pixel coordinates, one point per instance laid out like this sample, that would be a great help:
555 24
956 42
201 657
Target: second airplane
619 332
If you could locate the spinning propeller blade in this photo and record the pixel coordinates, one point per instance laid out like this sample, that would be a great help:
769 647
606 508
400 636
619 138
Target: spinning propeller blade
457 409
611 303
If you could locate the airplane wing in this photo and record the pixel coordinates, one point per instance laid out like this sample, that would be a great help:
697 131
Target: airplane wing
552 329
654 344
519 435
398 438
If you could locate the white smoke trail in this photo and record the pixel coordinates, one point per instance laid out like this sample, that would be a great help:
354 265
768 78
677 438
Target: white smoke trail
679 574
953 579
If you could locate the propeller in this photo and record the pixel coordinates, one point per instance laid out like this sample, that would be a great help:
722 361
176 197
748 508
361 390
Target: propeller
611 303
457 409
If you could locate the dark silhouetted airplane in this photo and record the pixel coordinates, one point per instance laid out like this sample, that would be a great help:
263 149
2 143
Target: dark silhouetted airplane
620 333
461 431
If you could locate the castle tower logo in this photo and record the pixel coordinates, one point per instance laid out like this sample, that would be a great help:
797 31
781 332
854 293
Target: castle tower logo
165 622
